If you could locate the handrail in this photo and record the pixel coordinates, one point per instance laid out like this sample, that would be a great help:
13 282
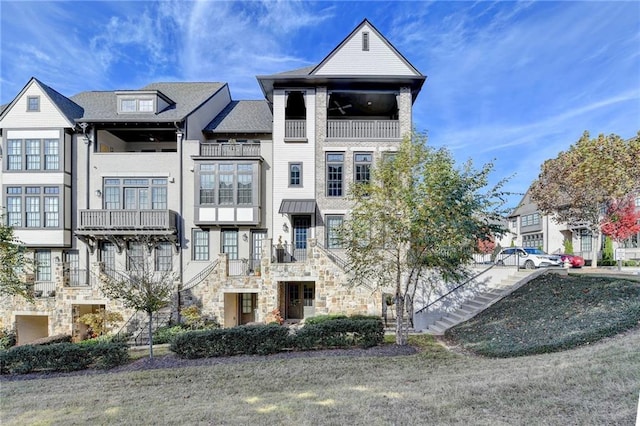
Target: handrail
459 286
336 259
199 277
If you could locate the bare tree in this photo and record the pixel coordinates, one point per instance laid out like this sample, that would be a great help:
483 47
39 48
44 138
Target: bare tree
146 285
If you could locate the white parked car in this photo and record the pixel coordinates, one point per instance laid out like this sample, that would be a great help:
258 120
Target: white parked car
529 258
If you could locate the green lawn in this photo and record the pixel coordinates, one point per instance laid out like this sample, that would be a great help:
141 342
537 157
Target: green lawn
593 384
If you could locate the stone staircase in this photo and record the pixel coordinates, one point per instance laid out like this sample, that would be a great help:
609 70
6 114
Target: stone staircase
137 328
494 290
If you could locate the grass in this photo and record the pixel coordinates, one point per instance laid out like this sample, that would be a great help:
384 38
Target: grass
590 385
553 312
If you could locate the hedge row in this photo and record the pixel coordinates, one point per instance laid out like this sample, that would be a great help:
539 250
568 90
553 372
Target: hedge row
62 357
266 339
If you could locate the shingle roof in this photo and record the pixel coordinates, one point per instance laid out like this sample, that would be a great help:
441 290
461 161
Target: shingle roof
70 109
187 97
243 117
299 71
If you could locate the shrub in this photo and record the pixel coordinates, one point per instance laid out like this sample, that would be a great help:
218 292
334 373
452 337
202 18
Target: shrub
62 357
101 322
322 318
363 331
49 340
166 334
194 320
7 338
246 339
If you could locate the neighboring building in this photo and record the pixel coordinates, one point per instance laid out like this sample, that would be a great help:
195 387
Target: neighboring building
530 228
240 199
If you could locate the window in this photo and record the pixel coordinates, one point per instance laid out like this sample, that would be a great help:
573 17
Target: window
230 244
207 184
38 154
200 244
332 225
14 206
530 219
51 154
163 257
365 41
245 183
247 303
14 154
133 193
135 256
585 241
33 154
43 265
362 167
127 105
136 105
108 257
532 240
33 103
227 184
145 105
335 165
33 206
295 174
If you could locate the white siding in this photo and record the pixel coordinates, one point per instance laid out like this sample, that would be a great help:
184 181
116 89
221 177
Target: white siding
287 152
48 116
380 59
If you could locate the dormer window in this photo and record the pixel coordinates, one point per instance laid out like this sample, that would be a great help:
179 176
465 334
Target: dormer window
136 105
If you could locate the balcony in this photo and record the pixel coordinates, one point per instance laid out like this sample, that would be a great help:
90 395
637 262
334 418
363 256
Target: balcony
363 129
229 150
120 222
295 130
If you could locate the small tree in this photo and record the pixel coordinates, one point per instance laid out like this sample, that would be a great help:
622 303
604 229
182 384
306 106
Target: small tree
621 220
101 322
579 183
419 216
13 264
141 287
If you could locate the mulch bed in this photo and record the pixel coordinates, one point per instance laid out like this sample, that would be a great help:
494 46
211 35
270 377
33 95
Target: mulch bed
172 361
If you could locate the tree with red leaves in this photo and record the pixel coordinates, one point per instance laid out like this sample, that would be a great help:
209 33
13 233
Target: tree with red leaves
621 220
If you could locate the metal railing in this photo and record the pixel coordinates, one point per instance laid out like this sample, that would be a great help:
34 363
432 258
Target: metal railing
127 219
199 277
230 149
44 289
288 253
340 262
295 129
363 129
238 267
76 278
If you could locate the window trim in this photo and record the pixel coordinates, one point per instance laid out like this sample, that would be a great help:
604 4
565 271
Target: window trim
137 107
35 98
153 183
40 192
239 197
299 184
357 163
232 255
340 182
329 230
365 41
204 249
22 155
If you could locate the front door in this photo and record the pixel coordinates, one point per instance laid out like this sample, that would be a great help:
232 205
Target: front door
300 300
257 238
301 225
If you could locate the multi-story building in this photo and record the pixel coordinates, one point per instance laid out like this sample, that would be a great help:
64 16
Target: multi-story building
239 199
529 227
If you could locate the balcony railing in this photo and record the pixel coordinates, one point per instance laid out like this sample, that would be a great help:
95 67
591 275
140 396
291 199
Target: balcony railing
76 278
363 129
44 289
295 129
230 149
127 220
288 253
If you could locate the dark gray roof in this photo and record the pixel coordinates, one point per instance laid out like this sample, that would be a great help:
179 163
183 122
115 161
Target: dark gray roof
526 206
291 206
299 71
70 109
187 97
243 117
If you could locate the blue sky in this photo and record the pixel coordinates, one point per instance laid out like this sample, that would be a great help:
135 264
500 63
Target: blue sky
510 82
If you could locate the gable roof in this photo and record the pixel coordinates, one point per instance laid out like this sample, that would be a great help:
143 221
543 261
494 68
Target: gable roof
364 63
404 73
243 117
187 97
525 206
69 109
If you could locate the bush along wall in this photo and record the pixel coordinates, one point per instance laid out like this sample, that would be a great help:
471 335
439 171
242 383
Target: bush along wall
62 357
327 332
